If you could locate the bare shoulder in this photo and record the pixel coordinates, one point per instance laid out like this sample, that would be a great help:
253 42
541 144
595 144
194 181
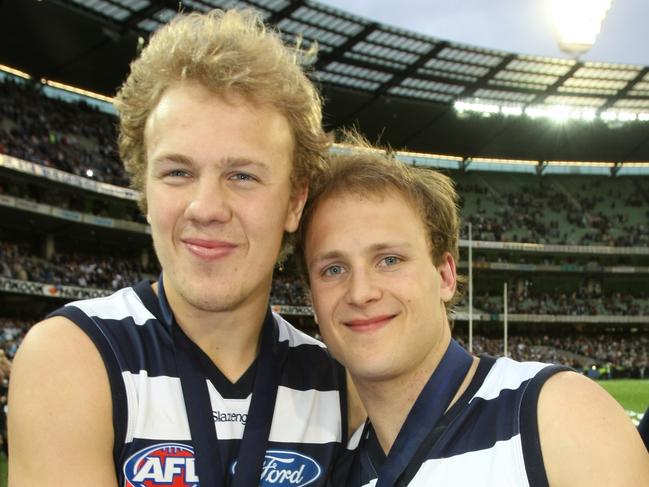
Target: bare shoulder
587 439
60 411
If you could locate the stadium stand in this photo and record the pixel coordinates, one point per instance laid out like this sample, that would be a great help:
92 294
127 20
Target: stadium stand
574 210
73 137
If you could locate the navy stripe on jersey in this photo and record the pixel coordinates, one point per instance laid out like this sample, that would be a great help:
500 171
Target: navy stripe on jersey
484 365
491 421
127 337
531 441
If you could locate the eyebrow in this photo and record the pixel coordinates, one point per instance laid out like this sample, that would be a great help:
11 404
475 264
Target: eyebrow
228 162
237 162
177 158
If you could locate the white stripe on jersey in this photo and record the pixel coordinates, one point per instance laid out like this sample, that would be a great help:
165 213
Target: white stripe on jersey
503 463
355 438
120 305
157 411
288 332
499 466
156 408
306 416
505 376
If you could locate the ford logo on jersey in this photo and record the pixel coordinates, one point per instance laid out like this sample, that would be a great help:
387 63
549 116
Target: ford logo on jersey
287 468
162 464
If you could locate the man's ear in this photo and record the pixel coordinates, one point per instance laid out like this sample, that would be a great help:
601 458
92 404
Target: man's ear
296 205
448 274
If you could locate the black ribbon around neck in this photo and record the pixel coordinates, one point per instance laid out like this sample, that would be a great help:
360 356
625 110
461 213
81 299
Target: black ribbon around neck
426 412
252 450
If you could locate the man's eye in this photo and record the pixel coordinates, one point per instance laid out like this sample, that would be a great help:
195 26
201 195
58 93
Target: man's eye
177 173
390 260
333 270
242 176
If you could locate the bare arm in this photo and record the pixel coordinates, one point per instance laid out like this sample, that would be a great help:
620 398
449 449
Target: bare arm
587 439
60 410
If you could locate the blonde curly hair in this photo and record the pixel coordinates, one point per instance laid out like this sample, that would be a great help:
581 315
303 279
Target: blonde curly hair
225 51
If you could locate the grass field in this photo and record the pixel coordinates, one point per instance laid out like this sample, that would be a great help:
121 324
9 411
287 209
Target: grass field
633 395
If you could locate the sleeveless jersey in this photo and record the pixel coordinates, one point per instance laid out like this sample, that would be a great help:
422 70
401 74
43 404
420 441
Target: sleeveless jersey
153 444
489 437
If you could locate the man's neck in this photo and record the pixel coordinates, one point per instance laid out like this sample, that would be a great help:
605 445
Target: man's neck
229 338
388 402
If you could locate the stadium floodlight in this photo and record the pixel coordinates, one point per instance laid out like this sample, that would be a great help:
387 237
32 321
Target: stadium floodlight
556 112
461 106
608 116
559 113
511 110
588 114
578 22
535 112
487 108
627 116
476 106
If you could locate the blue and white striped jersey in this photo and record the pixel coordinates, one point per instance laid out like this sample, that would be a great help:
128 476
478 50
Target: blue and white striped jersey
153 444
489 437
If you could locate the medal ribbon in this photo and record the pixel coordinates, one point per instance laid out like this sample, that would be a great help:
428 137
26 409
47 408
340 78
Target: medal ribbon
252 450
428 409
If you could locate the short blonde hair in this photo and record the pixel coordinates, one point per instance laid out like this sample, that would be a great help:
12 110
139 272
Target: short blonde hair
225 51
365 170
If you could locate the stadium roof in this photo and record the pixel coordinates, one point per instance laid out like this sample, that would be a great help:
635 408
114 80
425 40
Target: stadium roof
391 83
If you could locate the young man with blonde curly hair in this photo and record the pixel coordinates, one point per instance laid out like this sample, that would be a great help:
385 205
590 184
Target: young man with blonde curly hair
192 377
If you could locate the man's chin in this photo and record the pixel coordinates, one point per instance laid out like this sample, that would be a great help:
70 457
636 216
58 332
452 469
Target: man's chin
215 302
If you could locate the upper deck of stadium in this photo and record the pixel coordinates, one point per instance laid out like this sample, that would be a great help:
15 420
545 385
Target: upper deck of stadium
414 92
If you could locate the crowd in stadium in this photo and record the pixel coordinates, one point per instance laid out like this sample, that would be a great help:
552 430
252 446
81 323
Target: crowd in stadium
73 269
289 290
67 200
535 215
580 302
76 138
73 137
613 356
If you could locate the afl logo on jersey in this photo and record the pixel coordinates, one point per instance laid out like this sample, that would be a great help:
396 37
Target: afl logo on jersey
287 468
162 464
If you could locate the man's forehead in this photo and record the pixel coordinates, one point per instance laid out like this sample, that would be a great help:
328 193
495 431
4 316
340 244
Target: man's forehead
202 92
182 103
375 194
